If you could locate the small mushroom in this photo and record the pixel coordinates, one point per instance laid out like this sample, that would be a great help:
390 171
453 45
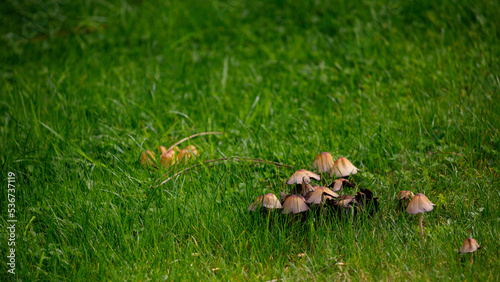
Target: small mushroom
294 204
148 159
268 201
193 150
342 167
168 158
302 178
420 204
320 195
323 162
187 153
470 246
338 184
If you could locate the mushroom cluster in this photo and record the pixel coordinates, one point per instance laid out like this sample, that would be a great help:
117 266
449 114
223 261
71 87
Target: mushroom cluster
303 196
169 157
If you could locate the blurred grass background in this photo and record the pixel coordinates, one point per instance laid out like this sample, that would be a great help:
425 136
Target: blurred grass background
407 90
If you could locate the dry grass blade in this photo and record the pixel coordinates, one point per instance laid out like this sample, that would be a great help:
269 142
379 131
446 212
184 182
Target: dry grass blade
218 162
193 136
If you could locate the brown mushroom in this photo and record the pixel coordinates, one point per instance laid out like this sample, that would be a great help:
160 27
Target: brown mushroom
323 162
268 201
470 246
168 158
338 184
187 153
302 178
294 204
320 195
420 204
342 167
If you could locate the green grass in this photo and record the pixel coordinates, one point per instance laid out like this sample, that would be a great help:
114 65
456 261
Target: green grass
407 90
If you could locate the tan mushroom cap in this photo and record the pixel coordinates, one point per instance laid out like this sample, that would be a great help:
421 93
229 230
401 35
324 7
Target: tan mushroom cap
419 204
270 201
320 195
193 149
339 183
343 168
323 162
302 175
470 245
187 153
294 204
168 158
405 194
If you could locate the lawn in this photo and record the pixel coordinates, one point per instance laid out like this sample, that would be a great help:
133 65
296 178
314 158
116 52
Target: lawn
407 90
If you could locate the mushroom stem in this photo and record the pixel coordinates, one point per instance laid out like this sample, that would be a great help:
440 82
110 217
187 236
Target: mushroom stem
420 221
471 258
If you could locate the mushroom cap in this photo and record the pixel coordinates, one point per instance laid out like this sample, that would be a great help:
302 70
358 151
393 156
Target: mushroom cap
270 201
323 162
320 195
338 184
256 204
302 175
193 149
168 158
470 245
294 204
405 194
343 168
419 204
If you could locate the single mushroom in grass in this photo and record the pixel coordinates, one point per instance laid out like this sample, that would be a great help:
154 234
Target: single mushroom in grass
342 167
404 197
269 201
323 163
340 183
294 204
470 246
420 204
302 180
